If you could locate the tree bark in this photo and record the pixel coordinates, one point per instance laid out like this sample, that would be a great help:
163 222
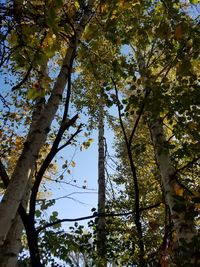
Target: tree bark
37 137
101 223
12 245
185 246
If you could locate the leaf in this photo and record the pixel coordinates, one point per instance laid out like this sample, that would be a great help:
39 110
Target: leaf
197 206
178 190
76 4
73 164
38 213
194 1
178 33
18 142
54 213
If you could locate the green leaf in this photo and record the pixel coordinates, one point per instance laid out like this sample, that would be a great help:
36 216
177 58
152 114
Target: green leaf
38 213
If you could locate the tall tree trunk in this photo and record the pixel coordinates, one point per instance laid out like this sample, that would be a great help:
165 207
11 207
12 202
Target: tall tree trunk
185 239
12 246
37 137
101 223
185 246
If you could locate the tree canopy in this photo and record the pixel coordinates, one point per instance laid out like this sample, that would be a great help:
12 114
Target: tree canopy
70 68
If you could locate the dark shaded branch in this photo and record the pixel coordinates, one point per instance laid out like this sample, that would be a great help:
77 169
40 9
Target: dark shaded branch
187 165
71 137
135 181
119 113
147 92
96 215
4 175
23 80
151 53
69 85
54 150
4 102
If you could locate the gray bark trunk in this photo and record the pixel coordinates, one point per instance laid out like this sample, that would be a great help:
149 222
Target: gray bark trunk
12 245
101 224
36 138
185 247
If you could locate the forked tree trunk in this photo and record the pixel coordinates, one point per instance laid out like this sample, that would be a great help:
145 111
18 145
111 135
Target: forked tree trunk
101 223
37 137
185 246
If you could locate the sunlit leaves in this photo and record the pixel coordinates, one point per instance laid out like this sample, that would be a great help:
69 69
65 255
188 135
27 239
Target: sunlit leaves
86 144
73 164
178 190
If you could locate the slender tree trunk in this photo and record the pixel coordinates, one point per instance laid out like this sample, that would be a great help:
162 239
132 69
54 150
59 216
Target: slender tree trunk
101 224
37 137
185 246
12 245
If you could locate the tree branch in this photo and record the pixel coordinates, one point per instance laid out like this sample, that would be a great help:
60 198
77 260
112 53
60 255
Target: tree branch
54 150
147 92
187 165
119 113
23 80
96 215
71 138
4 175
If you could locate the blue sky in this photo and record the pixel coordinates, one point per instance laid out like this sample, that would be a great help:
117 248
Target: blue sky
80 201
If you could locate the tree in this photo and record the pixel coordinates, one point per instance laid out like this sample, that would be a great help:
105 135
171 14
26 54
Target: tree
153 77
153 82
142 58
43 113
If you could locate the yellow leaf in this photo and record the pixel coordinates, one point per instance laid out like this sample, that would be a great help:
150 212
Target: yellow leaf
114 16
76 4
18 142
121 3
174 236
102 8
197 206
73 164
192 125
178 190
